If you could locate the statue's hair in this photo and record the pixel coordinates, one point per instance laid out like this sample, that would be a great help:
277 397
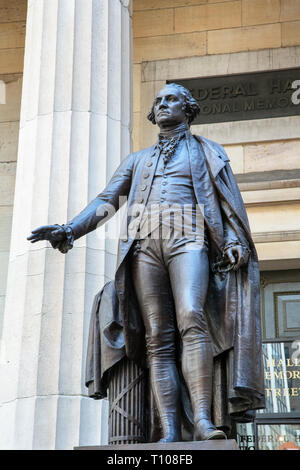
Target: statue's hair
191 107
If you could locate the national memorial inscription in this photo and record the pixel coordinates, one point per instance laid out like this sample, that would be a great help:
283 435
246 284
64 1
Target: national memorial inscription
244 96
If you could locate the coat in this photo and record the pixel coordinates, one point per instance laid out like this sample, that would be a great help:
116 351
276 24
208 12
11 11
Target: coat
232 305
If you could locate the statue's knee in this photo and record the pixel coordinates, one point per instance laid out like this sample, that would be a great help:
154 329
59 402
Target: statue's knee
186 319
192 323
160 344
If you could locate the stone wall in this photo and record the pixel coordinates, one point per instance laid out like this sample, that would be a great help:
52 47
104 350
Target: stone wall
12 41
184 28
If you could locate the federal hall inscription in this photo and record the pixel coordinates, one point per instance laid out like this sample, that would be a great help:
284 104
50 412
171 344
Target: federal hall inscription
245 96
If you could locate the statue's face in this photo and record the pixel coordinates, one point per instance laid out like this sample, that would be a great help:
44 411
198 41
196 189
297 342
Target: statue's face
169 107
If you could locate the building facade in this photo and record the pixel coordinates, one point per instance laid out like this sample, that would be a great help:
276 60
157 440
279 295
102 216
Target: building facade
77 78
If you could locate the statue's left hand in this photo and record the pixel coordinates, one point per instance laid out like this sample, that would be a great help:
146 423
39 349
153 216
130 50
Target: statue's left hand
237 256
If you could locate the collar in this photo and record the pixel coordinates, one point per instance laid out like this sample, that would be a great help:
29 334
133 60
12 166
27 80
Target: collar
181 134
168 135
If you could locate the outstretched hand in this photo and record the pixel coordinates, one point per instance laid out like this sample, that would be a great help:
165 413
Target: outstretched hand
53 233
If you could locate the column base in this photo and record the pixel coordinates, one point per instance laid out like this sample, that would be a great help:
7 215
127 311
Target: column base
221 444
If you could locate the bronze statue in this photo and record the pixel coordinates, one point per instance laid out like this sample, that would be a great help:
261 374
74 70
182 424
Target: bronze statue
186 306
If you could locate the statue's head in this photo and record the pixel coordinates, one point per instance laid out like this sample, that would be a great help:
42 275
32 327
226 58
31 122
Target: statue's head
173 105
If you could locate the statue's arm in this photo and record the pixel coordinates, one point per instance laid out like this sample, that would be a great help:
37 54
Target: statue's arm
105 204
236 249
96 213
229 226
236 246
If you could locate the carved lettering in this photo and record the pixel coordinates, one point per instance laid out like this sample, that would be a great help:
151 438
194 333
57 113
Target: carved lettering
246 96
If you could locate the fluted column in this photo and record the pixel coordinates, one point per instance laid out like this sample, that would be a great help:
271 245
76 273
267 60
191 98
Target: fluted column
75 128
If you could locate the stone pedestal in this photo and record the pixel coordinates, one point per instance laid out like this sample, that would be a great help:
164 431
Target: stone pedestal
221 444
75 128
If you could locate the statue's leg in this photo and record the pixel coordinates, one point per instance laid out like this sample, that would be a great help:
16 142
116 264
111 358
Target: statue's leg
189 274
152 286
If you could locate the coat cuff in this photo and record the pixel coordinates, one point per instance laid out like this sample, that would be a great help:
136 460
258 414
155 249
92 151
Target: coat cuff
67 244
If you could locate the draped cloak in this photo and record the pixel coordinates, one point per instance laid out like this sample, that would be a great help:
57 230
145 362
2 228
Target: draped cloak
232 304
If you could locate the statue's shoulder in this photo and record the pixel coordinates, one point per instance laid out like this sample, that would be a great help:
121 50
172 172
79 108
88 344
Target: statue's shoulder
214 146
140 154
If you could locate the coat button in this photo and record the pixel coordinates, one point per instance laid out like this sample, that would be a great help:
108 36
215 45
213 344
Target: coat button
149 164
137 213
140 200
146 175
143 188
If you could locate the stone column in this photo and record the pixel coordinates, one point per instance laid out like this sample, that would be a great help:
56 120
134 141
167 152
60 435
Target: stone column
75 128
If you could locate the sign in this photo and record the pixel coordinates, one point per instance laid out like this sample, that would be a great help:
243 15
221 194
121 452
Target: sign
245 96
282 378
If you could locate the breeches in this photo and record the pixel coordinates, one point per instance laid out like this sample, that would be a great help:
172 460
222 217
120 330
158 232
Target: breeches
170 277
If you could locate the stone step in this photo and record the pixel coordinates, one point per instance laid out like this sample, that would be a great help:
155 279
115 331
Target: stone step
221 444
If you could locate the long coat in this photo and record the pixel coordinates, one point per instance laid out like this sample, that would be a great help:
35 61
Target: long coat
232 306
